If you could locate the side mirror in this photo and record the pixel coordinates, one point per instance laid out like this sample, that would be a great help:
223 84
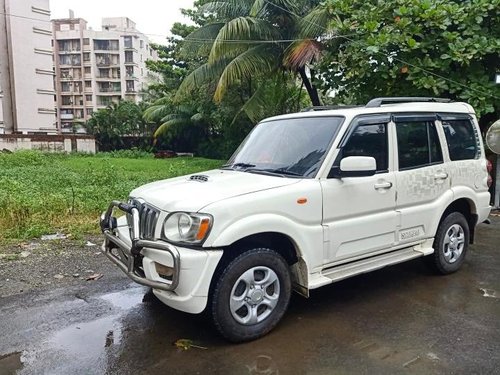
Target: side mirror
355 166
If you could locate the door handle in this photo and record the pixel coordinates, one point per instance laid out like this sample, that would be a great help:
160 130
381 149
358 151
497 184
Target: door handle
441 176
383 185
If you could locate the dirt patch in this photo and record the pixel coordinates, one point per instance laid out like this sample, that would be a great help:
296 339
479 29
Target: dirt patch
53 263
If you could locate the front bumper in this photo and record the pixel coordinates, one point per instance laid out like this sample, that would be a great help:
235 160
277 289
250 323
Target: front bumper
187 289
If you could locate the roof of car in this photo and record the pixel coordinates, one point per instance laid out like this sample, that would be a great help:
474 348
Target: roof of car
424 107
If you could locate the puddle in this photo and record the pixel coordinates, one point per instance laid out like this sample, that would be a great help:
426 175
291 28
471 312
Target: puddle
126 299
10 363
81 344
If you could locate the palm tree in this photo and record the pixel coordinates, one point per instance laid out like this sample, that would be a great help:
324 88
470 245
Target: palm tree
253 40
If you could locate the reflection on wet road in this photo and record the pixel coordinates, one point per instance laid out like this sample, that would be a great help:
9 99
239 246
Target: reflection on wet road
397 320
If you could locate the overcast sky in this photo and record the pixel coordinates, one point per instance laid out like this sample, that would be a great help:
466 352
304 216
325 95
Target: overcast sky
151 16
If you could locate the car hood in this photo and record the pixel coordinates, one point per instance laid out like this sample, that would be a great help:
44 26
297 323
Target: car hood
193 192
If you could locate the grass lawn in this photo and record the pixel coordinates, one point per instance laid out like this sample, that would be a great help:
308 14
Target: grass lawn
44 193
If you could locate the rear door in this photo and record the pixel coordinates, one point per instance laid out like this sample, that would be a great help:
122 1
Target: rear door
422 177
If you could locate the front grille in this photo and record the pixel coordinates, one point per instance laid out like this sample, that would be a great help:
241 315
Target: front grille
148 218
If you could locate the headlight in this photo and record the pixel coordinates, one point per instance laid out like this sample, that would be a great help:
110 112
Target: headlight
187 227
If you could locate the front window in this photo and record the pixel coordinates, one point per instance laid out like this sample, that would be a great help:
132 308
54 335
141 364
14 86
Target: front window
288 147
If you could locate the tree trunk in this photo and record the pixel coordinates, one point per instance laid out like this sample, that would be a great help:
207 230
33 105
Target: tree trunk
311 90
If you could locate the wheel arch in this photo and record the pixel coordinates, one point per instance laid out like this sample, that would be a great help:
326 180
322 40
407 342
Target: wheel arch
466 207
280 242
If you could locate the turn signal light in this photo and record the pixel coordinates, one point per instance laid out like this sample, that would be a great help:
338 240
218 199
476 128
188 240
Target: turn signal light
164 272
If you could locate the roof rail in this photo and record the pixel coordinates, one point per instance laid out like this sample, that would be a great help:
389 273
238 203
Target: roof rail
328 107
377 102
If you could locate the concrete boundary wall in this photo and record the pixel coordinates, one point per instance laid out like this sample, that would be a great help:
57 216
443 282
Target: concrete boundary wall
50 143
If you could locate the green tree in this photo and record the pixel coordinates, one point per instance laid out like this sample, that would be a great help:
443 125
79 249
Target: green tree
441 48
248 42
119 122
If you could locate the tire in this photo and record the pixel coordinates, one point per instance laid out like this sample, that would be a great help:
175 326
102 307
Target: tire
242 308
450 244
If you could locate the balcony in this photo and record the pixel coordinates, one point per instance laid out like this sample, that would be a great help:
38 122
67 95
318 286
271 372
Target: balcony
109 90
106 51
69 51
67 116
108 78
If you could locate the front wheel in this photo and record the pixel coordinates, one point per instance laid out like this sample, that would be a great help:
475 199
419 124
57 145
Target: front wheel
251 295
450 245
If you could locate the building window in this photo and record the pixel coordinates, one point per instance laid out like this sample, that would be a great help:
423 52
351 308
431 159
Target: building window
86 56
89 111
66 100
69 60
87 70
88 98
65 86
86 41
142 43
129 57
127 40
88 84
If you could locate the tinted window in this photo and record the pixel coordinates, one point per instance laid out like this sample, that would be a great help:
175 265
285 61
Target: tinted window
293 146
418 144
368 140
461 139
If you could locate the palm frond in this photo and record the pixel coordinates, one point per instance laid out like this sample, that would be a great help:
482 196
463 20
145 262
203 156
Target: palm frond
156 111
241 28
227 9
316 23
163 128
255 61
257 8
203 74
254 108
301 53
200 41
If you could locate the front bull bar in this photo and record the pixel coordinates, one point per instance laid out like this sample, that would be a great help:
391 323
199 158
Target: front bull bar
108 224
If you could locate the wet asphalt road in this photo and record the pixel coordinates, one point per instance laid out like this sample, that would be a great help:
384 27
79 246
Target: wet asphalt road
398 320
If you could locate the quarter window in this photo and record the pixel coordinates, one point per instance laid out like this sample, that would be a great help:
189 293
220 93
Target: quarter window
461 138
418 144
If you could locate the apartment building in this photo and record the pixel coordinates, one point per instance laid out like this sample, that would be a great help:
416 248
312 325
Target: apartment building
96 68
26 75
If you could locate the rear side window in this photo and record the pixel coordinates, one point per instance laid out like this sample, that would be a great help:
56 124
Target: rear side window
418 144
462 139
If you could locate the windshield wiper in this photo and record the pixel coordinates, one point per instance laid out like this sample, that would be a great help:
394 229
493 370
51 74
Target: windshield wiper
274 172
284 171
238 165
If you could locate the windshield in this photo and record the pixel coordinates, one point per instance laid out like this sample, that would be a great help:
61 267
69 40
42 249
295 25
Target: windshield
291 147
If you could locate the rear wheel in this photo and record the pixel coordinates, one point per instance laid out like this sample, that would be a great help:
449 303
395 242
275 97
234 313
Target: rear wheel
451 244
251 295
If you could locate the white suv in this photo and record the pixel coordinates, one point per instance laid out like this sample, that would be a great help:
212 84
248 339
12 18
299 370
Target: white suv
308 199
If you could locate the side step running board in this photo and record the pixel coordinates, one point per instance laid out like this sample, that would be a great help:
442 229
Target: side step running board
366 265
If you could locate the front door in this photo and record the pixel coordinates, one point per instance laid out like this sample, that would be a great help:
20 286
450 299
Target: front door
359 216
